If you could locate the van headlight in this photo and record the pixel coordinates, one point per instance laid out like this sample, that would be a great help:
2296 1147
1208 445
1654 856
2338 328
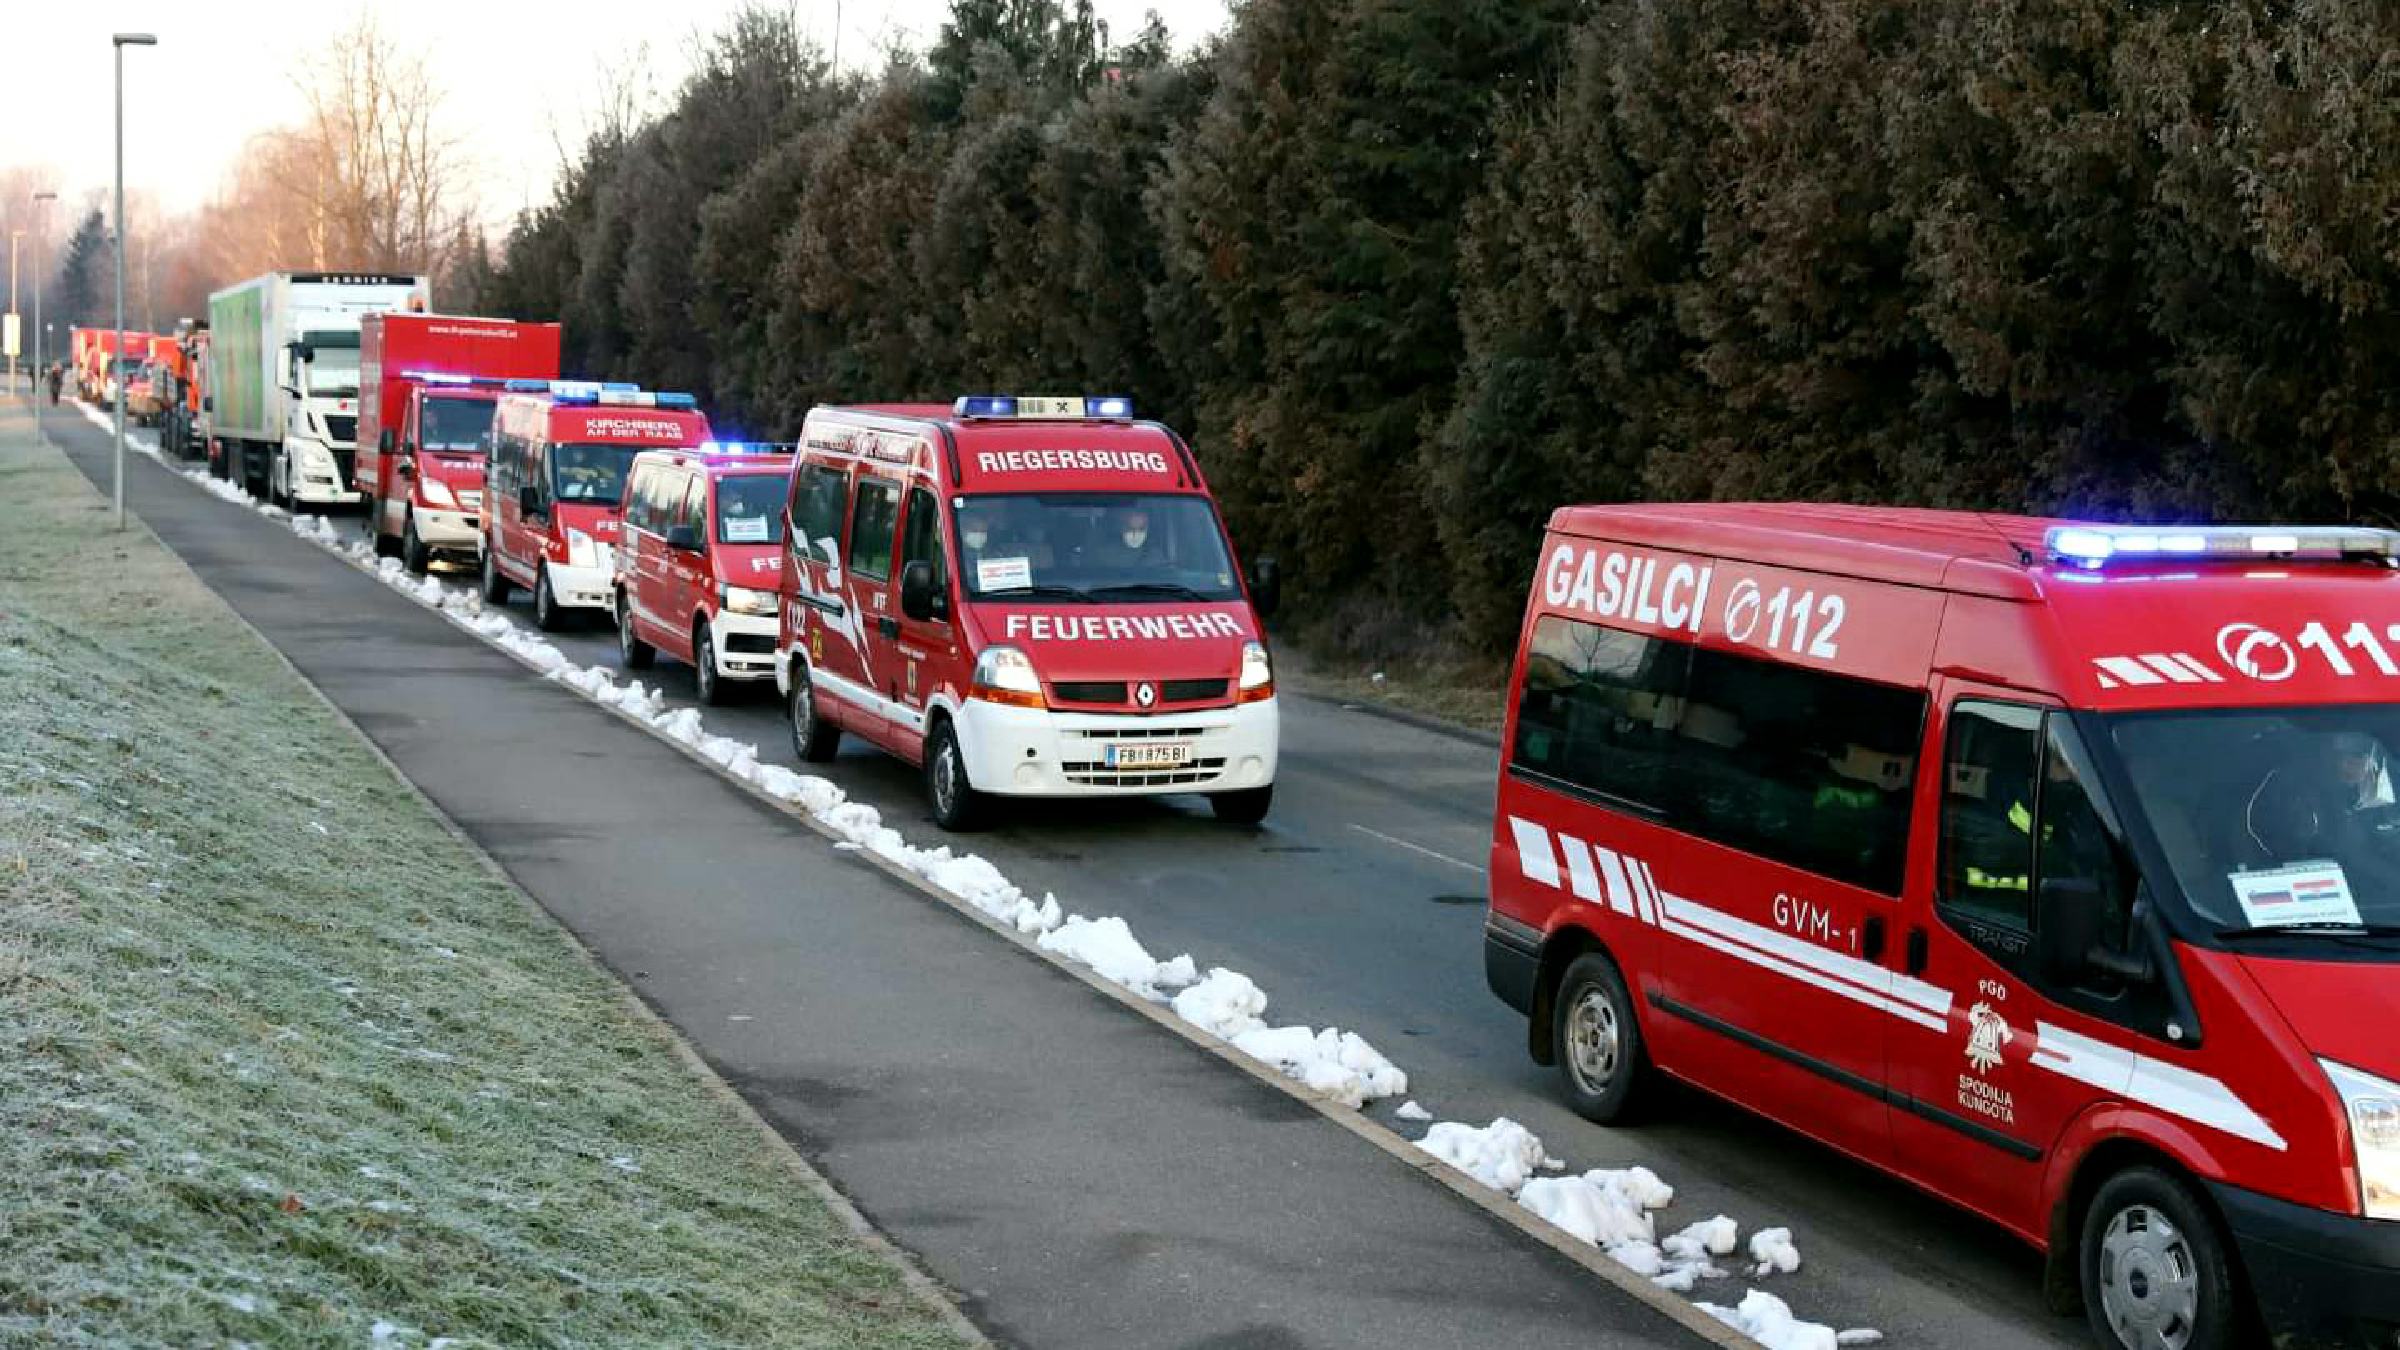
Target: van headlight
437 492
2373 1106
581 551
1006 675
742 600
1258 674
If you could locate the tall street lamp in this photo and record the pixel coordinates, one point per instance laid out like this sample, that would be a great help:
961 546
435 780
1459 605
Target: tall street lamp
121 41
40 199
15 340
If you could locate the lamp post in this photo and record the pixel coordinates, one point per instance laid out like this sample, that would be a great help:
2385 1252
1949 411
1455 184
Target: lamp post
40 199
121 41
13 237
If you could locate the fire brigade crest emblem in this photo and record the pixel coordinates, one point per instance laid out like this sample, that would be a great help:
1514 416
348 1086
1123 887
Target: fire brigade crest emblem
1987 1031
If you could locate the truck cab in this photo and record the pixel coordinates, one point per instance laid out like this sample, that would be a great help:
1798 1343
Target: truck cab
316 464
561 453
429 387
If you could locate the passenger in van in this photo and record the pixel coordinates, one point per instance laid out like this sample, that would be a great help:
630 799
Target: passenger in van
1124 545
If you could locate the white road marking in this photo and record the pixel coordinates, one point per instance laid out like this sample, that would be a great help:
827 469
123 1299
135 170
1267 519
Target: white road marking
1418 848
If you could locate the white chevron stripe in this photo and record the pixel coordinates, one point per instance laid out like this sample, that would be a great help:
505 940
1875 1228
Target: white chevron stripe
1579 868
1620 892
1533 851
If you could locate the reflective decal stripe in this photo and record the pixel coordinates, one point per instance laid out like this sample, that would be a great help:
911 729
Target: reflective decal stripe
1633 890
2199 667
857 693
2127 669
2175 1090
1533 852
2170 667
1620 893
1580 877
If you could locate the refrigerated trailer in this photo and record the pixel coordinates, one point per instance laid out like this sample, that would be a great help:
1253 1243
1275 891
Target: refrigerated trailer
283 378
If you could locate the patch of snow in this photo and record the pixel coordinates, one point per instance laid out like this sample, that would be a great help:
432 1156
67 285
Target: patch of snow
242 1303
1409 1110
1768 1320
1109 947
384 1331
1338 1063
1225 1004
1772 1249
1501 1155
624 1163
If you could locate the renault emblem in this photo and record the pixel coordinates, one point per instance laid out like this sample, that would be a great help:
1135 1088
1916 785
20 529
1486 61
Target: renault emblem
1146 694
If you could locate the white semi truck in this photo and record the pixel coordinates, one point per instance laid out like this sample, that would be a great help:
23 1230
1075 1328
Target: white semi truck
283 378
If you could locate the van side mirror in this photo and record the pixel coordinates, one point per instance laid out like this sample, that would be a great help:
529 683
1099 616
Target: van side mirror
386 441
529 500
918 598
682 538
2069 942
1266 586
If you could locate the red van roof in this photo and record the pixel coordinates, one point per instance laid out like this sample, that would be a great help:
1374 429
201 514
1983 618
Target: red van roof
1042 454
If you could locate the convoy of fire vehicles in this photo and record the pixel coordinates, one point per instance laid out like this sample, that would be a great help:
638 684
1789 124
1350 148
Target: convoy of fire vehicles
2052 867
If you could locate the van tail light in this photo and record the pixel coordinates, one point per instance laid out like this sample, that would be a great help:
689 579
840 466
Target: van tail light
1006 676
1258 675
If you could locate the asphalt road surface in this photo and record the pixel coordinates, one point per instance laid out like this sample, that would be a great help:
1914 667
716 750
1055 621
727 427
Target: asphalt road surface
1360 903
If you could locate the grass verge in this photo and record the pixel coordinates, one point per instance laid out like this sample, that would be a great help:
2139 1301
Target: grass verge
283 1062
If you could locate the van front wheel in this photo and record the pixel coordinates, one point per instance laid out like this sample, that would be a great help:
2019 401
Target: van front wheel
957 806
2156 1271
495 582
1600 1054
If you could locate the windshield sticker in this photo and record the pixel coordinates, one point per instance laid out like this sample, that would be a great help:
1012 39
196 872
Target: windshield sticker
2302 893
1003 574
745 529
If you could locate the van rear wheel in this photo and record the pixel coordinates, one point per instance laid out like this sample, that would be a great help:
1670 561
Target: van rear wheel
814 739
2157 1274
631 650
1600 1054
704 666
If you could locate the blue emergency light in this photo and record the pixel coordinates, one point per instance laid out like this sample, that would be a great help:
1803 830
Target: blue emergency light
2098 545
740 448
1097 408
458 381
585 389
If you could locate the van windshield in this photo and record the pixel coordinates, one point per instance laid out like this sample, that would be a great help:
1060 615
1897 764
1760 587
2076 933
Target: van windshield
750 508
593 474
457 423
2275 819
1111 547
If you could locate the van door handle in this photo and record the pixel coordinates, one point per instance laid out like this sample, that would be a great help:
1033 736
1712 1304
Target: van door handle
890 628
1919 951
1870 939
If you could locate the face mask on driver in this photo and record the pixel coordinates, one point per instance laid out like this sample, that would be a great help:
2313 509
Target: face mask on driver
1134 538
975 537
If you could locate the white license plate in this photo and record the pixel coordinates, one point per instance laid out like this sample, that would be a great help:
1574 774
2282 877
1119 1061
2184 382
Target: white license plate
1166 755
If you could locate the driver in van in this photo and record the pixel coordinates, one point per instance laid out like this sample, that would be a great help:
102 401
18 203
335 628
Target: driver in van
2295 811
1125 541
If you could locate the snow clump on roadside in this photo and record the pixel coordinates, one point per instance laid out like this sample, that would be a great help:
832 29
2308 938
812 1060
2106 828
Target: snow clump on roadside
1769 1321
1502 1155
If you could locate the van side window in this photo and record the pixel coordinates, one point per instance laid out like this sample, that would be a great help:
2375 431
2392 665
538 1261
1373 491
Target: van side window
693 513
2078 844
922 537
819 492
1994 759
873 517
1807 768
637 498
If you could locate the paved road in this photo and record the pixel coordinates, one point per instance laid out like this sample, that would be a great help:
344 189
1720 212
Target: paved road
1360 903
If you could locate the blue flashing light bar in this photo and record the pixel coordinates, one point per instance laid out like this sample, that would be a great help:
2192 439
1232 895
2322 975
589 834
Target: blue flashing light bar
444 377
570 388
743 448
1084 408
2098 545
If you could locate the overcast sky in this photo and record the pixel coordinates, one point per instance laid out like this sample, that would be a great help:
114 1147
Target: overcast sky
518 76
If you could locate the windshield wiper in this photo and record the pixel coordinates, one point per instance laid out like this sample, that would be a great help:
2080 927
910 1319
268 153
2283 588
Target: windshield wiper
2339 930
1168 588
1047 589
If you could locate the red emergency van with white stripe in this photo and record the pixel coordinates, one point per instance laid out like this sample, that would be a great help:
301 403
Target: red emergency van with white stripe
2053 867
561 450
1028 597
698 557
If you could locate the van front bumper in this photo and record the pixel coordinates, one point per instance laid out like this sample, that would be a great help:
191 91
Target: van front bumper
745 645
593 587
457 531
1034 752
2322 1279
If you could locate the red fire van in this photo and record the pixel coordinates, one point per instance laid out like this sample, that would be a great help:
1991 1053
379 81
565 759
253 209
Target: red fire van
1029 597
2053 867
699 558
560 452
